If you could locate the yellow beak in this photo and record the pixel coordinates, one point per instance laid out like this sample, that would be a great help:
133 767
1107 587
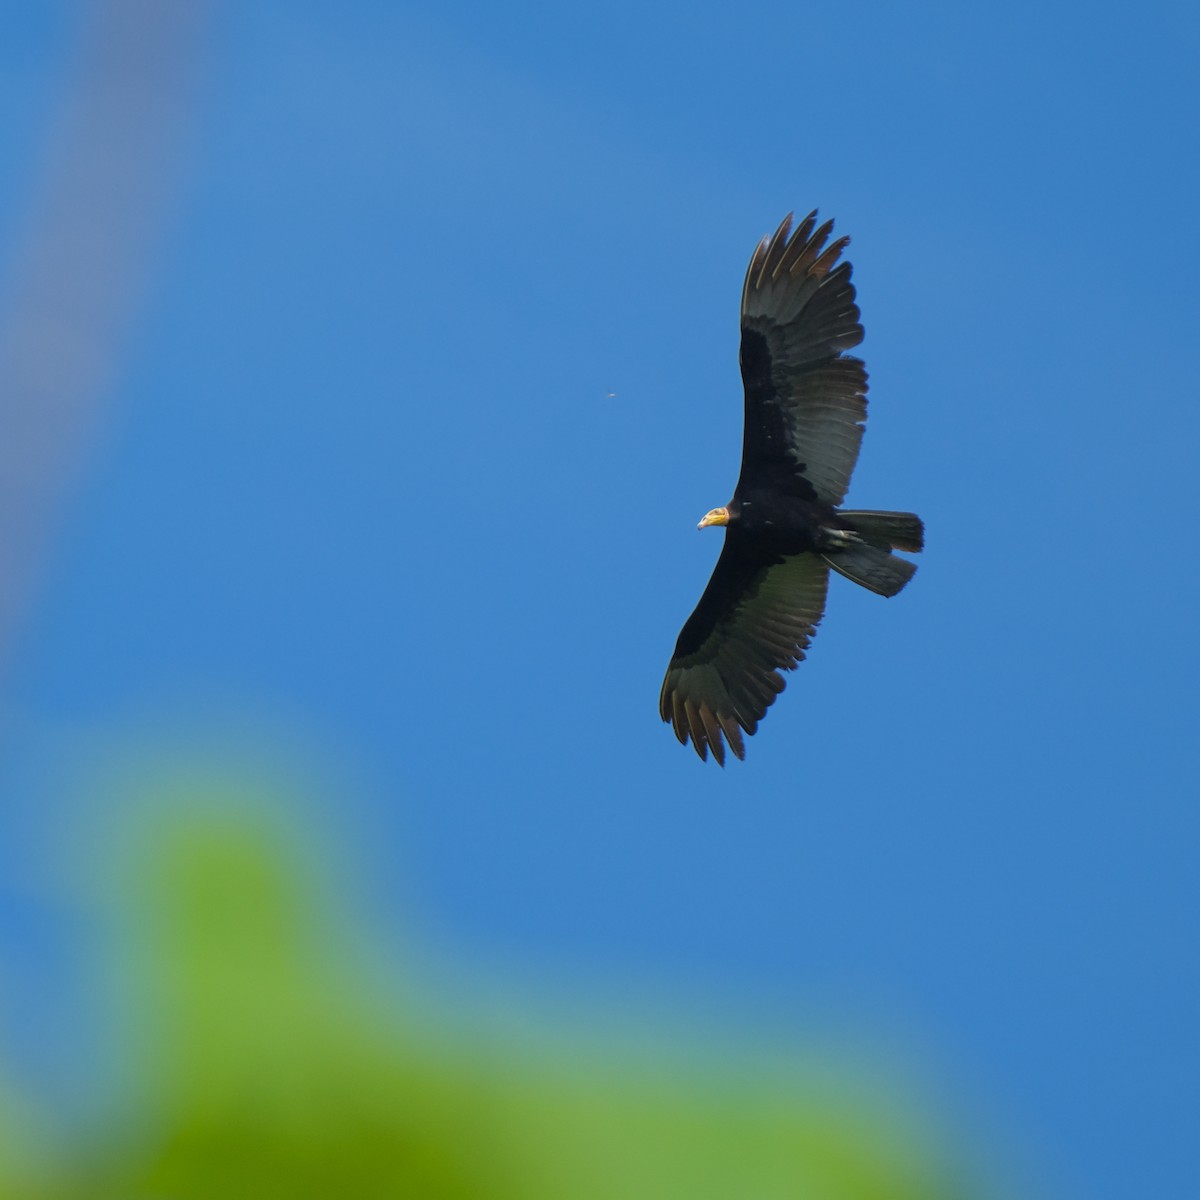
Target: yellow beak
716 516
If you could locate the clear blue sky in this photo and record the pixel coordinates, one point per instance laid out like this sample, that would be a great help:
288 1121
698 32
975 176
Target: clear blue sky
431 373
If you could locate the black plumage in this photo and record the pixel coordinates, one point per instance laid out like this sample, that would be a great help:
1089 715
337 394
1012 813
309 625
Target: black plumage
806 404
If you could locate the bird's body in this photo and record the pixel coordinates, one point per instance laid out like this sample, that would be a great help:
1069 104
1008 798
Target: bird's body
784 531
780 521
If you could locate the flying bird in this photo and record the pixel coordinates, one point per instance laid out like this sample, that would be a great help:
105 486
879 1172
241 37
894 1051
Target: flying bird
806 405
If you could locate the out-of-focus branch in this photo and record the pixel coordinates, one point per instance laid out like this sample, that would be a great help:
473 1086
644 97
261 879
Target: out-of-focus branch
85 250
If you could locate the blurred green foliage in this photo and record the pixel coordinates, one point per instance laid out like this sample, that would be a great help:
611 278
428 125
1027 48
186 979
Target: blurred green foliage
264 1057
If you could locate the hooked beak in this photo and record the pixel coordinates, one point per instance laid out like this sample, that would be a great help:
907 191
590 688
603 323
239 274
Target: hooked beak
716 516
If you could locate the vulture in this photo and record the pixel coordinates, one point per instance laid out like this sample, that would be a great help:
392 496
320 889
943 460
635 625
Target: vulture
806 404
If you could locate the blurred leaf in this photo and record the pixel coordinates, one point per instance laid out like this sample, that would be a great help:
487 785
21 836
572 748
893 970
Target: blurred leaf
266 1063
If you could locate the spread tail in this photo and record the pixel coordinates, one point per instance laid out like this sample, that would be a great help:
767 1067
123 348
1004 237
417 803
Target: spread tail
870 562
879 571
887 530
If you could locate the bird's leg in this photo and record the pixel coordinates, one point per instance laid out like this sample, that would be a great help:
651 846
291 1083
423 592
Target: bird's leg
839 537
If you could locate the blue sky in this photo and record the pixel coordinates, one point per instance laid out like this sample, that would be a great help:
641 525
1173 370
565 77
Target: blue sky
431 368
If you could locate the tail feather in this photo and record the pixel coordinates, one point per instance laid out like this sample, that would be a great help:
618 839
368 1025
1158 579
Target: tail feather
887 530
878 570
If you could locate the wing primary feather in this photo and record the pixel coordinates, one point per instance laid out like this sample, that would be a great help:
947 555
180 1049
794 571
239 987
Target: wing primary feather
797 243
679 718
696 725
776 249
812 249
748 713
752 271
712 730
728 712
828 257
733 734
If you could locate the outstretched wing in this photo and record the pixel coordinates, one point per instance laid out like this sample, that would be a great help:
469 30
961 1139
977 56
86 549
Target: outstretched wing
755 619
806 401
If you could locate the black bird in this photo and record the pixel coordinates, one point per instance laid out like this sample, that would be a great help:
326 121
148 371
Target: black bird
806 404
